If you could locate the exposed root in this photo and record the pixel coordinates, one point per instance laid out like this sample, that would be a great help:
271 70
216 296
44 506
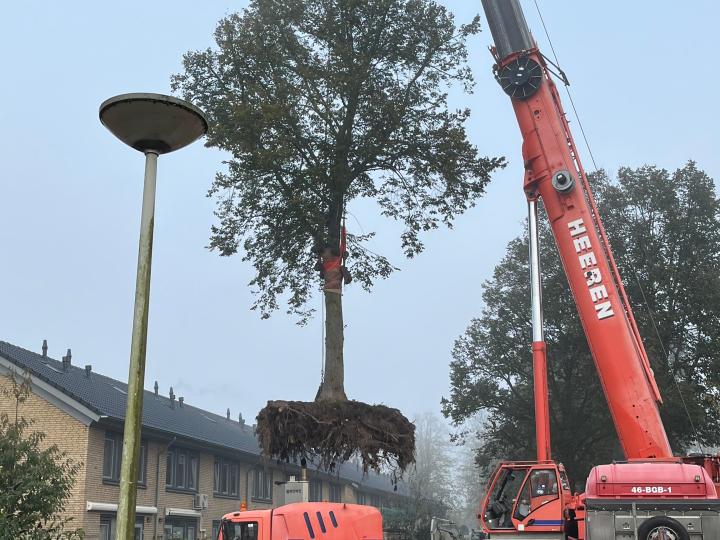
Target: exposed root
334 431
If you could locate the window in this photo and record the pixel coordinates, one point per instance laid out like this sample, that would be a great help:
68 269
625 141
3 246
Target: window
262 485
334 492
523 505
540 488
192 478
543 483
360 496
246 530
226 478
181 470
180 529
375 501
112 459
315 489
108 524
215 529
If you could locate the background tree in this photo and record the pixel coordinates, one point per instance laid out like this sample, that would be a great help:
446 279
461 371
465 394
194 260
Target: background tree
469 477
34 482
664 229
431 482
321 103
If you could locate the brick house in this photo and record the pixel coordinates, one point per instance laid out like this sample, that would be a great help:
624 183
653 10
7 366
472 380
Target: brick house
195 465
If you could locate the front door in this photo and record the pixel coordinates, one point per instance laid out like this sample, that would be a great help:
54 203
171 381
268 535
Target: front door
499 505
539 507
525 498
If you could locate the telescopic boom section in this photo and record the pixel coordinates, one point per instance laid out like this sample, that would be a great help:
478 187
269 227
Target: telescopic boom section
554 173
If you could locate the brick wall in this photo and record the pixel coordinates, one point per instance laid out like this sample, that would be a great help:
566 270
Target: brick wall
97 491
86 444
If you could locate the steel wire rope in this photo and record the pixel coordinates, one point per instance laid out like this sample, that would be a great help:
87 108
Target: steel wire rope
322 336
665 354
567 87
642 291
322 288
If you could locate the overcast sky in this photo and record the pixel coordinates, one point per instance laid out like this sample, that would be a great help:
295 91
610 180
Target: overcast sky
643 77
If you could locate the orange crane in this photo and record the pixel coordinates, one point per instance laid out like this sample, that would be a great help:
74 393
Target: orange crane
654 495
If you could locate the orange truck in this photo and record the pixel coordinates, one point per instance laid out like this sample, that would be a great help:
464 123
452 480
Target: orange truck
304 521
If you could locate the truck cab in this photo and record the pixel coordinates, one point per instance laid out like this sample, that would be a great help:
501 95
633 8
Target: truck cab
304 521
526 497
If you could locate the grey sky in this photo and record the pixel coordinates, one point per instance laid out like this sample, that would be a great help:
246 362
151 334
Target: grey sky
643 79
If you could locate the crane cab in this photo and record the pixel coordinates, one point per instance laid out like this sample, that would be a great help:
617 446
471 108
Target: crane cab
526 497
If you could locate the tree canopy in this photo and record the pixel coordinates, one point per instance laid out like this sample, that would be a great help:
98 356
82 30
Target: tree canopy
664 229
35 481
323 102
431 483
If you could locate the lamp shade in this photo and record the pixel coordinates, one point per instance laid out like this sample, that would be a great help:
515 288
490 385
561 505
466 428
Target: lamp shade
153 122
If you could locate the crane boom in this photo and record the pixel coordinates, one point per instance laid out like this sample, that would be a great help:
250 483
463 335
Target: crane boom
554 173
534 499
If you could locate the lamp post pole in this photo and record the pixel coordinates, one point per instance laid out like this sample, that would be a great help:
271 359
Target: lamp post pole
138 348
153 124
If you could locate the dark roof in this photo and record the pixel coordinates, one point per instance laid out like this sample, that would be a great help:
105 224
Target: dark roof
107 397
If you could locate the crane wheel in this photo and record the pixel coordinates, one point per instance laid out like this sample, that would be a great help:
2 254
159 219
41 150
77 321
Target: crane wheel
662 528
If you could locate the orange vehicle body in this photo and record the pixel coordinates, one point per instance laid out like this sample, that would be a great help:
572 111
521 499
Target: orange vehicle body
304 521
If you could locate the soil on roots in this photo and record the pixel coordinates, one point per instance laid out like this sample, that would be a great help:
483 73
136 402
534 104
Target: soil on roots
334 431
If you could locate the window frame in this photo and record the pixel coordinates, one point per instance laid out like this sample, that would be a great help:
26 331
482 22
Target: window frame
185 523
183 485
110 521
113 478
313 485
260 496
223 473
334 492
234 525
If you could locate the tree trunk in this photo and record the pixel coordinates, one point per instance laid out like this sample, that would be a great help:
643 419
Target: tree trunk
332 387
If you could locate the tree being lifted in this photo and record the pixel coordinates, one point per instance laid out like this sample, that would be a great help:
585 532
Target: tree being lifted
321 103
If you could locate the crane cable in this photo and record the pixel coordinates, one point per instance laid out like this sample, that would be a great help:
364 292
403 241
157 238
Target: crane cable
642 291
322 335
665 354
567 87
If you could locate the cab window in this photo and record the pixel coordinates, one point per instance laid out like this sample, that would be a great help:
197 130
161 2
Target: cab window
543 483
522 509
504 493
540 488
247 530
565 481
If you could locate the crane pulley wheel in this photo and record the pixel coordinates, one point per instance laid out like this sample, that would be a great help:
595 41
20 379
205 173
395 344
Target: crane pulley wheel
521 77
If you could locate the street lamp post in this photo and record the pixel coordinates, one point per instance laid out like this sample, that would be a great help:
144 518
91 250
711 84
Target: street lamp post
153 124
